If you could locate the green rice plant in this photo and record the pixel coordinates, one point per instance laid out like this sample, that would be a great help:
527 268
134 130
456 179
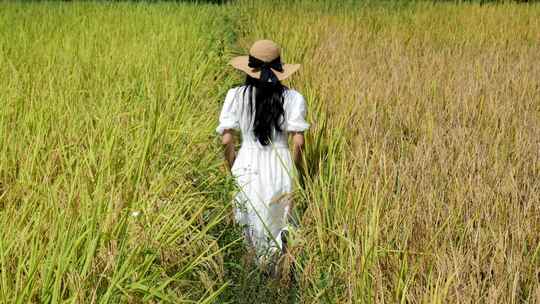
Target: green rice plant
101 196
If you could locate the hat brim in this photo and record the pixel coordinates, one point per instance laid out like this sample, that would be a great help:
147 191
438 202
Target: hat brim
241 63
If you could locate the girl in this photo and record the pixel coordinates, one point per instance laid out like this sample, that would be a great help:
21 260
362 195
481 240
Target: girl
265 112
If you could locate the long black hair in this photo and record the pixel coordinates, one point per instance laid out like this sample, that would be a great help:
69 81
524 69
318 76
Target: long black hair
267 106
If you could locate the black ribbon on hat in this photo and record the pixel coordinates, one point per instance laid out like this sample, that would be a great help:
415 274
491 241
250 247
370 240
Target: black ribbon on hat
267 75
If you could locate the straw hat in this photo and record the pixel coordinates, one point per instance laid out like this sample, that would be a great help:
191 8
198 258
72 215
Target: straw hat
264 62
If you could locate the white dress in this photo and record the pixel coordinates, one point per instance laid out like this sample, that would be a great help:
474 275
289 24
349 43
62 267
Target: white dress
263 173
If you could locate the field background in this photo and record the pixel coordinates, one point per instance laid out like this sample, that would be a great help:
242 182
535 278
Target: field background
422 164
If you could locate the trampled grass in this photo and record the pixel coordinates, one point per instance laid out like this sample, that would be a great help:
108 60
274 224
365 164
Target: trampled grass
422 163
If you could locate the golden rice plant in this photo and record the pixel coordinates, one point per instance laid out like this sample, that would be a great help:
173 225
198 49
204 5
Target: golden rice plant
424 159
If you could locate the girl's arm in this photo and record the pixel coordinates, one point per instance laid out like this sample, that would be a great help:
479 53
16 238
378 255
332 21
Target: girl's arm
228 145
298 147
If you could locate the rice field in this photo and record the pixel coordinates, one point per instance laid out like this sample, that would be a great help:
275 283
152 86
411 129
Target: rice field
422 163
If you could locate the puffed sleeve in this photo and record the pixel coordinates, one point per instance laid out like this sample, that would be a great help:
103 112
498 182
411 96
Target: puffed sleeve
228 119
296 116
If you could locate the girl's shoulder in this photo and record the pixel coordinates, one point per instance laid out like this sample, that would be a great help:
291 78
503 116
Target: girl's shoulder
234 90
232 93
293 97
293 93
